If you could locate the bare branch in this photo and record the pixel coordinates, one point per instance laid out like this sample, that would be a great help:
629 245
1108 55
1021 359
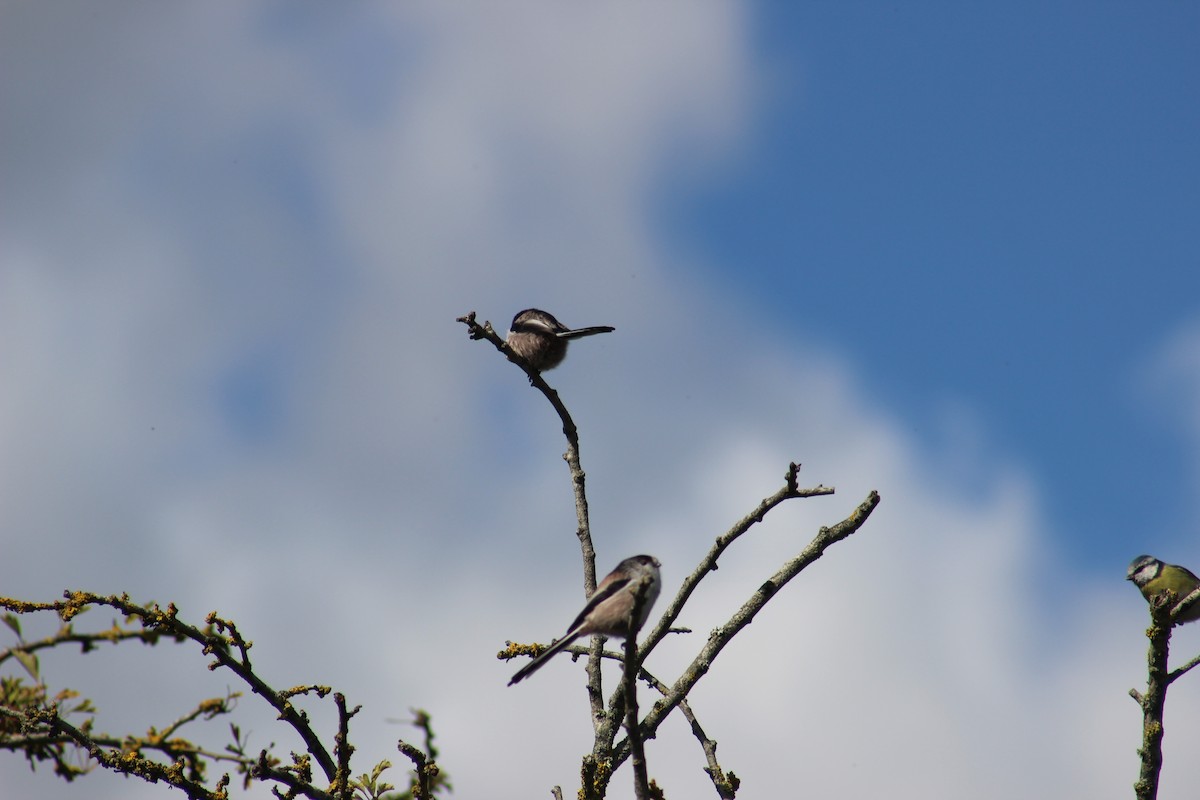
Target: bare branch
1155 698
744 615
298 777
708 564
726 786
1185 604
425 770
1178 673
87 641
583 531
571 433
41 743
208 709
118 760
641 778
598 766
342 748
220 644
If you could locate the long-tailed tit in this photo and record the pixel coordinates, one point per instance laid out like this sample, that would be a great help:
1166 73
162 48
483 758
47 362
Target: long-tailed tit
540 339
609 608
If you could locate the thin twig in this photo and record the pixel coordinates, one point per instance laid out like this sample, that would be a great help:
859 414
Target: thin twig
207 709
578 478
1185 604
297 784
709 564
1179 672
583 532
744 615
788 491
87 641
115 759
726 784
220 645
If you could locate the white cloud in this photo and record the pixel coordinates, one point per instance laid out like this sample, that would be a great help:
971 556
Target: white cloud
247 204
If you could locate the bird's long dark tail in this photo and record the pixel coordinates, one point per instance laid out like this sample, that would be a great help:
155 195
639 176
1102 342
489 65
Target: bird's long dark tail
581 332
533 666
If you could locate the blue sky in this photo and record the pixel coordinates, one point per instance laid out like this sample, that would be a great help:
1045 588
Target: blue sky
947 252
993 204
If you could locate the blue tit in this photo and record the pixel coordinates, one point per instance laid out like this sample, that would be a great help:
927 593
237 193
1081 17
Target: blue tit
1154 577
